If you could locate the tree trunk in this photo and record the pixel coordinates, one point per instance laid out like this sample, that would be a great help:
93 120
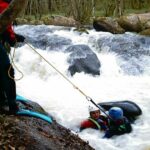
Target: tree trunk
119 8
10 14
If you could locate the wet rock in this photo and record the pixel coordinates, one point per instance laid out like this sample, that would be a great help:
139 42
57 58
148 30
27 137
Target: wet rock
57 43
130 23
83 59
28 133
60 21
107 24
130 48
145 32
41 36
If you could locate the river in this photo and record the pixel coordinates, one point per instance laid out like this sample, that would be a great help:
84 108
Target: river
124 75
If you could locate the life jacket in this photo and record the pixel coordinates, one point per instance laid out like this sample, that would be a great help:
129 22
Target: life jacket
8 35
95 122
121 125
100 123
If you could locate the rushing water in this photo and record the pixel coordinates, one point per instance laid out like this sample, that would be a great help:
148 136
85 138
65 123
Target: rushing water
41 83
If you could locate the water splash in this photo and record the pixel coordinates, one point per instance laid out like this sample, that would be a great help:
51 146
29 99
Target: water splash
43 85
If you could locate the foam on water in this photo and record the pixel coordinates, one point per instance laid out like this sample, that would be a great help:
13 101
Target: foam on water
43 84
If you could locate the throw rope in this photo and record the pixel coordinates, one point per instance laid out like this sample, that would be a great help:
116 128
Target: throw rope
10 67
77 88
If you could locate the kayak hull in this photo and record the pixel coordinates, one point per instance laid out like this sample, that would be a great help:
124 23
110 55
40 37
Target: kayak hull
130 109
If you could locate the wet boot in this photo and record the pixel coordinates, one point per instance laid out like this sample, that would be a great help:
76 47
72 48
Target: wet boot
13 109
3 103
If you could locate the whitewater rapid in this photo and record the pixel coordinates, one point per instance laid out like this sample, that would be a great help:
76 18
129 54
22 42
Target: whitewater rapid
42 84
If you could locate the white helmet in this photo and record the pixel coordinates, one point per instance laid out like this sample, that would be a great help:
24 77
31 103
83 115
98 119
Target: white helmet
93 108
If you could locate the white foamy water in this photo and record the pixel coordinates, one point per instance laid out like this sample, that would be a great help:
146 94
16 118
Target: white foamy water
42 84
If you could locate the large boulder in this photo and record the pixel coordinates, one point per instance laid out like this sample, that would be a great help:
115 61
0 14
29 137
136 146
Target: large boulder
145 32
136 23
28 133
83 59
130 23
59 21
146 25
48 20
144 18
107 24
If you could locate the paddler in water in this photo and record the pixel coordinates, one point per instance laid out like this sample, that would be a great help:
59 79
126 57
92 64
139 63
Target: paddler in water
114 124
118 124
95 120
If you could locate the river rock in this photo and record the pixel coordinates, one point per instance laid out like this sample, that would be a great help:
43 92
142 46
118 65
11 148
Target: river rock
145 32
130 23
107 24
28 133
41 36
83 59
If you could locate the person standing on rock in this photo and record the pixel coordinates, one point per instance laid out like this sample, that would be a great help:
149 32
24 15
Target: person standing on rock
7 84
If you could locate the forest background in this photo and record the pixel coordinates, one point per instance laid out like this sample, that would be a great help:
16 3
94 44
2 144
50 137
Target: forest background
83 11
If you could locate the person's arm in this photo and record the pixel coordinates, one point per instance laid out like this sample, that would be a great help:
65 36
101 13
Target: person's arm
108 134
83 125
102 124
86 124
9 36
19 38
111 130
128 126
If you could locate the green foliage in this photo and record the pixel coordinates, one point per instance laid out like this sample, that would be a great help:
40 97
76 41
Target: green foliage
83 10
136 11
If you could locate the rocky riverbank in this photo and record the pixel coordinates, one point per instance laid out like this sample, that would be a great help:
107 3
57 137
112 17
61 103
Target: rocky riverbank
139 23
28 133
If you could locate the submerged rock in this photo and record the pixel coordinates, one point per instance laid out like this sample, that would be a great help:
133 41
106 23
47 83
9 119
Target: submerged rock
83 59
42 37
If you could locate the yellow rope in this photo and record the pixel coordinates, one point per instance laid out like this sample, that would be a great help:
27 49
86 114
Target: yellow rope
12 62
59 72
77 88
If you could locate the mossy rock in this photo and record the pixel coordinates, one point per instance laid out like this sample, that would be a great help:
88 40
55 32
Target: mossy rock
130 23
145 32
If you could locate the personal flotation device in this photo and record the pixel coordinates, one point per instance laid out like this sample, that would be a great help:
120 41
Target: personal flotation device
8 35
100 123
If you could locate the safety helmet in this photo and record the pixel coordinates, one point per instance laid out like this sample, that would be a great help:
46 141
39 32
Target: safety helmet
93 108
116 113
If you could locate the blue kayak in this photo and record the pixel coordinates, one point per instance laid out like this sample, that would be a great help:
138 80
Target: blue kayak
21 98
26 112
